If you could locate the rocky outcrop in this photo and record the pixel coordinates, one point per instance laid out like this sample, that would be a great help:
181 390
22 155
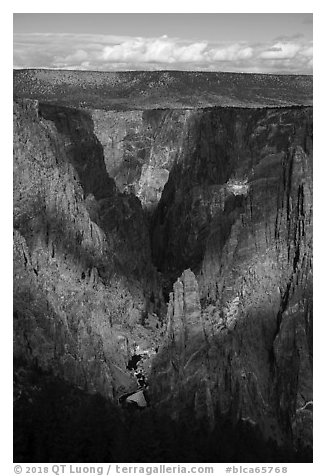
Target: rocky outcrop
181 363
184 318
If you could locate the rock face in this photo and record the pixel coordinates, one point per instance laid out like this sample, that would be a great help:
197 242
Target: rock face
179 368
184 315
82 263
228 152
210 207
239 211
140 148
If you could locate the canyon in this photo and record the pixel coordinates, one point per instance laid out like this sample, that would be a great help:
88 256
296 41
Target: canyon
174 233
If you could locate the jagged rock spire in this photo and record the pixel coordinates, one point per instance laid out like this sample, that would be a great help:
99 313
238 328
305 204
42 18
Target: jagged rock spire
184 311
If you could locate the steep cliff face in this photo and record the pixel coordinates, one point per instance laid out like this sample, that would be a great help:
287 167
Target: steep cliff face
140 148
238 211
83 276
225 150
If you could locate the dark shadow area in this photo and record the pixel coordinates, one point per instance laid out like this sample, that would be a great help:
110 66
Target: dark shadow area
53 421
82 147
132 364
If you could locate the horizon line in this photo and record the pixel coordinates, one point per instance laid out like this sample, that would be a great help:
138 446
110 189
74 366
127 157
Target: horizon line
18 68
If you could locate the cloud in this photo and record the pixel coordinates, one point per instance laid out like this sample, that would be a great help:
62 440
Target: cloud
159 50
230 53
296 36
109 52
281 51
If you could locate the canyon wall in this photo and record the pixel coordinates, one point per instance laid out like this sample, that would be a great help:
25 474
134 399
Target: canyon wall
83 279
140 148
208 211
237 210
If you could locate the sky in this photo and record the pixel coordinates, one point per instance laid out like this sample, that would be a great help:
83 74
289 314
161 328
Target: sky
241 42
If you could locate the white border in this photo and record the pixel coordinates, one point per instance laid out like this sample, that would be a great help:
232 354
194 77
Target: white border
168 6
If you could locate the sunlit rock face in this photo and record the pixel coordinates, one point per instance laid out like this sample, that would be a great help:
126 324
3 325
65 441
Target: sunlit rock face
140 148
